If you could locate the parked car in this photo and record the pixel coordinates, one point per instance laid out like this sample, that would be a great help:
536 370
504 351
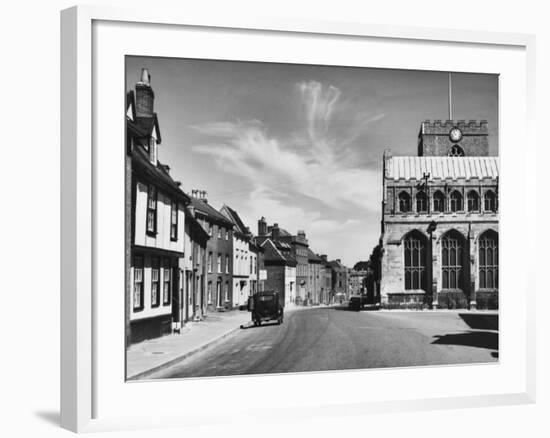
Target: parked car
358 302
266 306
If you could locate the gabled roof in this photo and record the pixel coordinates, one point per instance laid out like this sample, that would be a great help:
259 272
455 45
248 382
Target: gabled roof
149 125
197 229
273 254
441 168
130 105
312 257
206 209
234 217
156 174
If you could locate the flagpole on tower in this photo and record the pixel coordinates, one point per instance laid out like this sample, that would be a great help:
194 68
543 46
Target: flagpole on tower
450 97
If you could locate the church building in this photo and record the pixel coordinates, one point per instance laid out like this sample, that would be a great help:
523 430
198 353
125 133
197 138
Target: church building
440 218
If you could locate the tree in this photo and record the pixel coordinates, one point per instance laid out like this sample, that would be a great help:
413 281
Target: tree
361 266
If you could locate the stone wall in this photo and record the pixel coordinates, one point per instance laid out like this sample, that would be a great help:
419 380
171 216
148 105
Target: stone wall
434 138
393 293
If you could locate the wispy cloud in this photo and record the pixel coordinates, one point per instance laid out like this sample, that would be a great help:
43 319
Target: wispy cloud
297 173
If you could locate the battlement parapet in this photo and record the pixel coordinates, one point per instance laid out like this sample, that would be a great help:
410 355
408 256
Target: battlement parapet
439 127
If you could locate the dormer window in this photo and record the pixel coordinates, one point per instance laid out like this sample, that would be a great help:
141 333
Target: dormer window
153 150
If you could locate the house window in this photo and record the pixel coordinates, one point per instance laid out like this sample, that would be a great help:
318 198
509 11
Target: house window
421 202
404 202
439 202
155 279
226 234
209 226
490 201
209 292
174 221
151 210
415 248
452 252
488 260
219 263
226 264
226 291
473 201
167 283
251 271
456 201
138 282
219 232
209 262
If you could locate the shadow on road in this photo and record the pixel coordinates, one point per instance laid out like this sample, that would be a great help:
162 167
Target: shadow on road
264 324
480 339
479 321
353 309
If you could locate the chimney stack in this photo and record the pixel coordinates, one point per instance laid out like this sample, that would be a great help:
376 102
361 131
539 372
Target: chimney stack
275 231
262 227
145 96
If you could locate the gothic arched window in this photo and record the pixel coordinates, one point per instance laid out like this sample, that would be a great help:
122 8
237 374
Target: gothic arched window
490 201
415 251
452 260
488 260
473 201
439 202
421 202
404 202
456 151
456 201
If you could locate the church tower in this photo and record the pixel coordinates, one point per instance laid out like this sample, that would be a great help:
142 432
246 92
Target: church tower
454 138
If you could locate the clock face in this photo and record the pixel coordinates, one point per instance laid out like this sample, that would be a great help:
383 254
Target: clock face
455 134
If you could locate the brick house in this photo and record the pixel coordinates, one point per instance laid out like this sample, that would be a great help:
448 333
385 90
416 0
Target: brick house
299 250
194 266
244 261
439 241
219 253
316 277
339 280
280 268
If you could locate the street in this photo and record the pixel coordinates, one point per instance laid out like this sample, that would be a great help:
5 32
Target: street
335 338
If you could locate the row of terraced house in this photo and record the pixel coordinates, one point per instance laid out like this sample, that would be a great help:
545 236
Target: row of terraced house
185 258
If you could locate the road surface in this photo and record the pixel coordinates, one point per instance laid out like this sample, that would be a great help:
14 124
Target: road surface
335 338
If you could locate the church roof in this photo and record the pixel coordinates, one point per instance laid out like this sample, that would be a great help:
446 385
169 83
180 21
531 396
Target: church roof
413 168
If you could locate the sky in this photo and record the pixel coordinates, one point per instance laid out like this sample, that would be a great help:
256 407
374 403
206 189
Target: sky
301 145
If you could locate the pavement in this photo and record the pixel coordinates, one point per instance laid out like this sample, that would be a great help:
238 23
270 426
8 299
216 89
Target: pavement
147 357
336 338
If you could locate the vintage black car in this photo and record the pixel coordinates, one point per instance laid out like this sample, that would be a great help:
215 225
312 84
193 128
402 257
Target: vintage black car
266 306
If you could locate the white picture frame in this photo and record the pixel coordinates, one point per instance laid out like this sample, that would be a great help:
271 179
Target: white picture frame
83 371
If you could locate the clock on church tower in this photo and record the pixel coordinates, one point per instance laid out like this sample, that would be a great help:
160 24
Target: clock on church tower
454 138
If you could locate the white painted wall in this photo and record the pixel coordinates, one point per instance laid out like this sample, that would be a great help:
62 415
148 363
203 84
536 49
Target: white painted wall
148 310
162 239
241 271
290 284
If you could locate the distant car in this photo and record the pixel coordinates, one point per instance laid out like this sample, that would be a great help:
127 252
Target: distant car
266 306
358 302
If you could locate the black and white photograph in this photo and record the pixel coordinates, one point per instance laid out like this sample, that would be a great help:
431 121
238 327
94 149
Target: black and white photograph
288 218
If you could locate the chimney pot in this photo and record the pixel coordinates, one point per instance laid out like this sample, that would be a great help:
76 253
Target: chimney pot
145 97
145 77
